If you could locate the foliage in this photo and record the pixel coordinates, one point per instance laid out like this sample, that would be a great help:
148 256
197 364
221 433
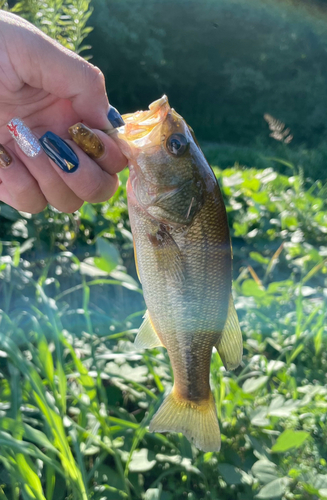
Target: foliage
311 161
76 398
63 20
238 61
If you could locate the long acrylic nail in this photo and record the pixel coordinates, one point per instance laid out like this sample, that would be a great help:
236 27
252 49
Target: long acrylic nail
87 140
24 137
59 151
5 158
115 118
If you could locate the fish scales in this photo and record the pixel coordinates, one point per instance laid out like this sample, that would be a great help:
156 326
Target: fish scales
184 260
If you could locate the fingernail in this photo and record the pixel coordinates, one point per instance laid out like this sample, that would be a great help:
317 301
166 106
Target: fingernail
115 118
87 140
24 137
5 158
59 151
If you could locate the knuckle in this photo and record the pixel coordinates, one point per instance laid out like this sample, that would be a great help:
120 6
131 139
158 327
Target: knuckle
94 192
24 189
96 77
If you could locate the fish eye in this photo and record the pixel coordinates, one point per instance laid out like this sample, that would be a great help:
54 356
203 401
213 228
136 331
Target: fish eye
177 144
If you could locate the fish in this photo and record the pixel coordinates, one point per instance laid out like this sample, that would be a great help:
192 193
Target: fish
183 259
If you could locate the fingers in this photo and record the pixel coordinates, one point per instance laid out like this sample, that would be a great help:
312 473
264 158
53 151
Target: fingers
99 146
92 177
18 188
77 170
43 63
64 173
28 150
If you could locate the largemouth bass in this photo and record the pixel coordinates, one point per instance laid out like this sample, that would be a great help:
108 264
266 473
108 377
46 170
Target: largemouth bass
184 261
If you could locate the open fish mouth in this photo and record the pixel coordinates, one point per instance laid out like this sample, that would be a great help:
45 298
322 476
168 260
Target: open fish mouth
138 126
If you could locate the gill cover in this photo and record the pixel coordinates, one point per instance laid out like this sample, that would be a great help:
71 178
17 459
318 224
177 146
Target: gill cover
163 163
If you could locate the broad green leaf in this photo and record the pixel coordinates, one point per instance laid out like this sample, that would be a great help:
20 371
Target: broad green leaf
230 474
254 383
274 489
289 439
265 471
89 268
87 212
109 255
262 197
281 408
153 493
124 278
104 264
251 289
9 213
251 184
320 481
259 258
184 462
259 449
240 229
259 416
232 180
140 461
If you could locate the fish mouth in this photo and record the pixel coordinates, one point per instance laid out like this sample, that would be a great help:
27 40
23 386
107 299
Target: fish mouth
140 126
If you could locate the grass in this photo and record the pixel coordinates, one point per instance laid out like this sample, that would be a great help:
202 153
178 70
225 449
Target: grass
76 398
263 155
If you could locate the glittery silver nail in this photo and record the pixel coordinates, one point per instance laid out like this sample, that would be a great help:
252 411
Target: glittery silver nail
24 137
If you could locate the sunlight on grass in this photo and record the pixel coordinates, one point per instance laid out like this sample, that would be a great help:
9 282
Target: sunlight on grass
76 398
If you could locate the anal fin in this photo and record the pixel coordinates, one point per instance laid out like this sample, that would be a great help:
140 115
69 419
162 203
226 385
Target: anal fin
147 337
230 345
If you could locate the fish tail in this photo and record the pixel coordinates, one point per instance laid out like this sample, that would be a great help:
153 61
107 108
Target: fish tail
197 421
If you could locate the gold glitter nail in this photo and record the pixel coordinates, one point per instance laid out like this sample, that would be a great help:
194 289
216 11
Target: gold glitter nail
87 140
5 158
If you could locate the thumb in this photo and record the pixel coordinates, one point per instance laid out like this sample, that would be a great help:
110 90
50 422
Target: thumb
43 63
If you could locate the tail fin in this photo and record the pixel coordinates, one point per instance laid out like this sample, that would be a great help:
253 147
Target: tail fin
198 422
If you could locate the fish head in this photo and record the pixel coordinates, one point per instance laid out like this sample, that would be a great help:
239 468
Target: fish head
167 167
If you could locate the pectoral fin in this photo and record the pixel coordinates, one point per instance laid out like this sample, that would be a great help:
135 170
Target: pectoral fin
147 337
229 345
168 255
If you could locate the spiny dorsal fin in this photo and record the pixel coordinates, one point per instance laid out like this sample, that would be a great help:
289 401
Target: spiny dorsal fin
147 337
229 345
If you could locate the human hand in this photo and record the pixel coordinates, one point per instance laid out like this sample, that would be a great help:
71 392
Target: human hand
51 89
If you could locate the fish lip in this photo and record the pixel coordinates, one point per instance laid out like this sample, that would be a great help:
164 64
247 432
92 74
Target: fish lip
140 124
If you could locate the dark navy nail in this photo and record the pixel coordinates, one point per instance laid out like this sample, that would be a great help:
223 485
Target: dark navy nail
115 118
59 151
